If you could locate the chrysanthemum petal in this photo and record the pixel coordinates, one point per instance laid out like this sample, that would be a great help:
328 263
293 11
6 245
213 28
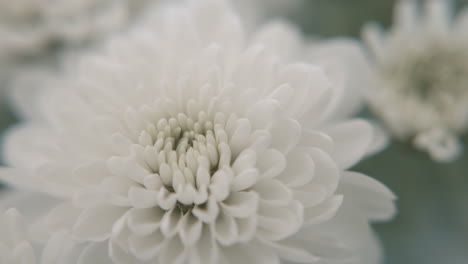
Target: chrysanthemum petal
351 141
95 224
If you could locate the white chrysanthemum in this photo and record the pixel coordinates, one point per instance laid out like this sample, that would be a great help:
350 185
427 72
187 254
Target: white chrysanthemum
30 29
28 26
422 69
196 143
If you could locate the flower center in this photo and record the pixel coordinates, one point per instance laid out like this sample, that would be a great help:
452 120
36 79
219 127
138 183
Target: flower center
436 75
186 153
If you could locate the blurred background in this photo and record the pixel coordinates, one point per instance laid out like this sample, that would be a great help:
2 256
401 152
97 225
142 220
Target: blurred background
432 224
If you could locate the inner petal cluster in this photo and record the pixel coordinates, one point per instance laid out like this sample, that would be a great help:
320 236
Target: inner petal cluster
190 159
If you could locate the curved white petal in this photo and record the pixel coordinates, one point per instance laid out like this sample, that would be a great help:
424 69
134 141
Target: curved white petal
368 195
95 224
145 221
351 141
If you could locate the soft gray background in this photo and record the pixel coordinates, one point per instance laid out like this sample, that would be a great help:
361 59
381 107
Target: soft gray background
432 224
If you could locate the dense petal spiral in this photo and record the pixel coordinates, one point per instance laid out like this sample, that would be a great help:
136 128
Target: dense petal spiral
195 142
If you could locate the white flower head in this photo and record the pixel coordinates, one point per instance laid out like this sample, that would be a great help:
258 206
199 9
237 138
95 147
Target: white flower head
193 142
422 67
33 31
29 26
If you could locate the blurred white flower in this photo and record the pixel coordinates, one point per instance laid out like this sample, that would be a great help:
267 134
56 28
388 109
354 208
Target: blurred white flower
28 26
193 142
35 29
422 76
